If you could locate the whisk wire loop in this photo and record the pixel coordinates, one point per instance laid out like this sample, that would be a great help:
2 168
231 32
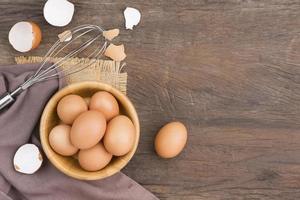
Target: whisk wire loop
47 71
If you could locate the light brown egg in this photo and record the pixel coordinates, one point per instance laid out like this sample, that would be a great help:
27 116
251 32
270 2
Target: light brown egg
88 129
170 140
105 103
94 158
119 136
59 139
70 107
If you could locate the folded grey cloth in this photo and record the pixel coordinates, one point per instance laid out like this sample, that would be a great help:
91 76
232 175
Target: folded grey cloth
18 125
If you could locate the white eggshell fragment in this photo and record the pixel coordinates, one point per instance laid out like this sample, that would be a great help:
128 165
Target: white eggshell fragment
24 36
58 12
132 17
28 159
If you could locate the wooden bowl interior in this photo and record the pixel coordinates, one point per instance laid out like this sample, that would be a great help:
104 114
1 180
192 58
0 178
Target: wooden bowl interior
69 165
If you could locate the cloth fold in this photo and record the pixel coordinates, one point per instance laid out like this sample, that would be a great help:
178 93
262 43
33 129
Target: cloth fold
18 126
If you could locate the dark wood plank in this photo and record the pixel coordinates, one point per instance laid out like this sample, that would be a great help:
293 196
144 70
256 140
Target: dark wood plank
230 70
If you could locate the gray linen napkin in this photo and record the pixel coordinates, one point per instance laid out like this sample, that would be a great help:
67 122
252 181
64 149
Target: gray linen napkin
18 125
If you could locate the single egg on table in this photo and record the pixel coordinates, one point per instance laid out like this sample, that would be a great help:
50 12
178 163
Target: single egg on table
70 107
105 103
119 136
59 140
170 140
88 129
94 158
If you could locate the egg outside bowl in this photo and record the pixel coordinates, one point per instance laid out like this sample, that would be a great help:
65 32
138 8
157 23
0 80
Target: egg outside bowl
69 165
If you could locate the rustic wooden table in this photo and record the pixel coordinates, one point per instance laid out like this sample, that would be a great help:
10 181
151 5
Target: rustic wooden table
230 70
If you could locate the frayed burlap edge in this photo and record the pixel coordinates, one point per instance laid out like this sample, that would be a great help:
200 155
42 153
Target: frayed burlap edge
105 71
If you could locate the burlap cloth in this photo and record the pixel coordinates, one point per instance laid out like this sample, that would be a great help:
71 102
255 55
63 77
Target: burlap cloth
105 71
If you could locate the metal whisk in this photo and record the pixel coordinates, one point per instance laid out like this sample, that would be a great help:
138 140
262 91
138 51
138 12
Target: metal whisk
47 71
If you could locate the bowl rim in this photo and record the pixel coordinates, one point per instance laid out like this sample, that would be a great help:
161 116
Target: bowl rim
75 86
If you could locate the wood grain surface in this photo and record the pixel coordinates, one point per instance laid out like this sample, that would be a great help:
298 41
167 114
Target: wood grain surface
228 69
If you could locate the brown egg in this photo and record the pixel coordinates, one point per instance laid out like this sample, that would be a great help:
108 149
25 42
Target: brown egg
70 107
119 136
59 139
94 158
88 129
170 140
105 103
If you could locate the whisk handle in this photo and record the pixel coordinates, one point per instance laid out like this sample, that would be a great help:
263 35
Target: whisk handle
8 98
5 100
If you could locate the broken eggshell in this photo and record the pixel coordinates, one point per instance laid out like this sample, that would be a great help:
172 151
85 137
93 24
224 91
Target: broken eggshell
65 36
111 34
28 159
58 12
24 36
115 52
132 17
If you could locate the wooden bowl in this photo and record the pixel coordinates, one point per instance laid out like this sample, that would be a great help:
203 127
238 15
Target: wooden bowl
69 165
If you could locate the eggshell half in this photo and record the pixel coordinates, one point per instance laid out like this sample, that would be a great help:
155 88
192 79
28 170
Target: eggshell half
28 159
25 36
170 140
58 12
132 17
